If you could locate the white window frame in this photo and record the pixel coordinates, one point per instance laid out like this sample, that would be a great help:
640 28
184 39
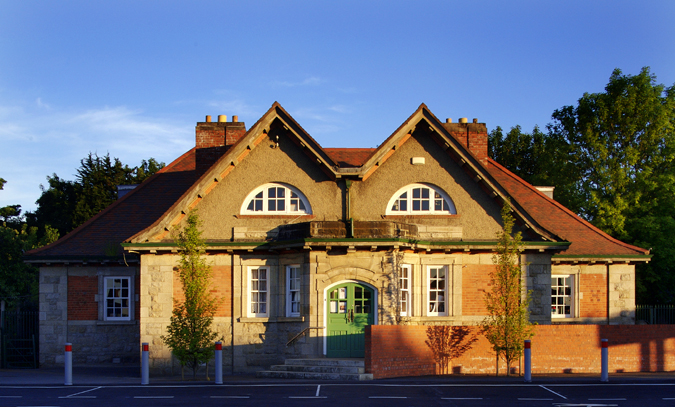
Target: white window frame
114 298
406 205
255 289
572 298
404 284
293 290
293 201
432 300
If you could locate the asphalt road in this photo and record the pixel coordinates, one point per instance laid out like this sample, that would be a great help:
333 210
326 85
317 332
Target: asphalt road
642 393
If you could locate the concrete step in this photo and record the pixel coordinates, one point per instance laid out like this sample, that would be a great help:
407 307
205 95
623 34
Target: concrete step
318 369
269 374
327 362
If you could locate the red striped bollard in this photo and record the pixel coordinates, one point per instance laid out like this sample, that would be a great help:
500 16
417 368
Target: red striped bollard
145 365
68 364
219 363
604 375
528 361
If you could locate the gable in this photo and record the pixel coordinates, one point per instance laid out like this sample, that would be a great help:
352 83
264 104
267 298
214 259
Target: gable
274 160
477 214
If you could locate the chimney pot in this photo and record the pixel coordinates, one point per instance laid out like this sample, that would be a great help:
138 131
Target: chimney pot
448 120
222 118
235 119
208 118
463 120
475 120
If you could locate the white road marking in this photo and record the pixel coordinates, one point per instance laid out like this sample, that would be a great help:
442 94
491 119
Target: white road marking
557 394
387 397
307 397
529 399
10 397
82 392
606 399
461 398
153 397
318 389
230 397
78 397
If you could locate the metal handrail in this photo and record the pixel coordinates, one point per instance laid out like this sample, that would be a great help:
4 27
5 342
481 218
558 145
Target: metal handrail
304 331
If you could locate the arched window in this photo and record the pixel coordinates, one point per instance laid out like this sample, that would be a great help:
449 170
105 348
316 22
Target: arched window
276 199
420 199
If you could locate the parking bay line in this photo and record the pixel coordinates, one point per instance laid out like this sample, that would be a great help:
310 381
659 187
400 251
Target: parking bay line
153 397
230 397
77 395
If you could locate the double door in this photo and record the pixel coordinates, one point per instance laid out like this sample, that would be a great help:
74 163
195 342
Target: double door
350 310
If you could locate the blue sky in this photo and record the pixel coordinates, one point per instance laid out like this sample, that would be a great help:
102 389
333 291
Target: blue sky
131 78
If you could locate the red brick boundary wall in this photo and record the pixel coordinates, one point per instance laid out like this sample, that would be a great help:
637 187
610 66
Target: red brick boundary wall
395 351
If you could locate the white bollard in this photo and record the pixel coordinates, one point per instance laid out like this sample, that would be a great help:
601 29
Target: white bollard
68 363
604 376
219 363
528 362
145 365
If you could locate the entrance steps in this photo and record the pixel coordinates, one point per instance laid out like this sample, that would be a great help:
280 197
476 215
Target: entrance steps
318 369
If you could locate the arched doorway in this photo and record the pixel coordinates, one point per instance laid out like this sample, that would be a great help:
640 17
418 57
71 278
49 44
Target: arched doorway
350 307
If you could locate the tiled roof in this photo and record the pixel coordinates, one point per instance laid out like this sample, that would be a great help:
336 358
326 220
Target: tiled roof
586 239
349 157
134 212
142 209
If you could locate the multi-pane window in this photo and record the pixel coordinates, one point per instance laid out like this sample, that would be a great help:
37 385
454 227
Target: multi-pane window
293 291
117 298
277 199
437 289
258 291
420 199
562 296
404 289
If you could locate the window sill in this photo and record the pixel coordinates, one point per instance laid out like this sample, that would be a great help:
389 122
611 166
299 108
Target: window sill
132 322
272 216
413 216
267 320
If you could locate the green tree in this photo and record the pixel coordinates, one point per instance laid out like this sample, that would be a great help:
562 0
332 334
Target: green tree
539 159
18 280
623 141
65 205
508 324
189 334
611 158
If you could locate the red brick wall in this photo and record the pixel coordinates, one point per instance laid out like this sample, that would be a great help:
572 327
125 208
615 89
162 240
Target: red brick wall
394 351
475 280
82 305
221 287
594 301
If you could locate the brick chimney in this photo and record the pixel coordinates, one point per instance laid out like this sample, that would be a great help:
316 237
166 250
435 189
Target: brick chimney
212 139
473 136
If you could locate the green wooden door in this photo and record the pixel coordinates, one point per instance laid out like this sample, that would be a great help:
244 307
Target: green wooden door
350 310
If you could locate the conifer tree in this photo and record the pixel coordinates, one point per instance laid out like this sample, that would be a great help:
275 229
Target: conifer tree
508 324
189 334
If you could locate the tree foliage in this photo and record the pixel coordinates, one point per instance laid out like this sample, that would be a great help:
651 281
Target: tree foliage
65 205
508 324
189 334
611 158
18 280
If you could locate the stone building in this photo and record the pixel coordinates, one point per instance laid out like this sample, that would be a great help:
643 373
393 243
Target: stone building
309 245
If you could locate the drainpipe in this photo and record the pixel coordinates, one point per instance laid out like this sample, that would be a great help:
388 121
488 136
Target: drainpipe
350 220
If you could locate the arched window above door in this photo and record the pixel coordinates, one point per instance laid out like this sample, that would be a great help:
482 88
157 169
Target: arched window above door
420 199
276 199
